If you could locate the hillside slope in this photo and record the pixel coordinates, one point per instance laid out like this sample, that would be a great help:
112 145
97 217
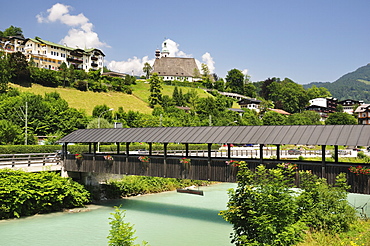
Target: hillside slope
353 85
87 100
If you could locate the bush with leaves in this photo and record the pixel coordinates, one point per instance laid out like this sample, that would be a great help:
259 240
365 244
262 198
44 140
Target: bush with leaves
23 193
324 207
135 185
265 210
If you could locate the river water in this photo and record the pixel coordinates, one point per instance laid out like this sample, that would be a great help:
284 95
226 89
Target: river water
165 219
169 218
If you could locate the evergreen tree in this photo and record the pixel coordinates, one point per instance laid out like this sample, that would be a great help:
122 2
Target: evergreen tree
155 90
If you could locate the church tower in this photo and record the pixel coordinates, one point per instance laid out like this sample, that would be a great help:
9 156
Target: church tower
157 54
165 52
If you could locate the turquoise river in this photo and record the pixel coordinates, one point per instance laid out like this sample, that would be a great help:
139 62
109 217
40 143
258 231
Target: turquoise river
165 219
169 218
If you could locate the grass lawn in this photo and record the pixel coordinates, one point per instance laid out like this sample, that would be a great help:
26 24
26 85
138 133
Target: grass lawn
87 100
141 90
359 234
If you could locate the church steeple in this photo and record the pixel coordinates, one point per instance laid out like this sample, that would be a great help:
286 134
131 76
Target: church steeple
165 52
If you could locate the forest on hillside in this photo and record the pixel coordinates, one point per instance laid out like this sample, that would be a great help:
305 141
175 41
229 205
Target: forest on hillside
354 85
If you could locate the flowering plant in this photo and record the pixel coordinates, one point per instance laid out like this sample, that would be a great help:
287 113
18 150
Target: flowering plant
359 170
78 156
233 163
144 158
185 160
288 166
108 157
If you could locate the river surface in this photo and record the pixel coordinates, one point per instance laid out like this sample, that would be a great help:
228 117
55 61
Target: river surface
165 219
169 218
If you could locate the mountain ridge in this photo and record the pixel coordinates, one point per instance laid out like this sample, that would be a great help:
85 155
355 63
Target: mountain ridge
353 85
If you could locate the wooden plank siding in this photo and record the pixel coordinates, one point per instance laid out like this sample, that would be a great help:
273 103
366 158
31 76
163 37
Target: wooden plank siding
203 169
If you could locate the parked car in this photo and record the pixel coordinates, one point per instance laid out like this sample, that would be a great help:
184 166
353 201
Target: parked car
294 152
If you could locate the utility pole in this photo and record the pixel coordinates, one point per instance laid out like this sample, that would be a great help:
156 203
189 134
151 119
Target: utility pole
26 124
24 117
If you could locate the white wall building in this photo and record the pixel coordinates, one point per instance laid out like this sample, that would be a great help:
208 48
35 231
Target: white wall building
50 55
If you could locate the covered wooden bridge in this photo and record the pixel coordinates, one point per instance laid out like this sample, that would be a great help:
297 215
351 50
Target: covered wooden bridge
211 166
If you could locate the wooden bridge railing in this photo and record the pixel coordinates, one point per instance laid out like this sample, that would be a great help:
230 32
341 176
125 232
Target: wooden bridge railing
28 160
214 169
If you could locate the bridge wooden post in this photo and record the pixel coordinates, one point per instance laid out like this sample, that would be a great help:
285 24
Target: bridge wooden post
127 149
89 147
165 159
278 152
209 170
186 149
336 159
261 153
323 161
228 151
64 151
150 148
118 148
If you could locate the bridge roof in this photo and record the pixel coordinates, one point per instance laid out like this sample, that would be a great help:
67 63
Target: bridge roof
350 135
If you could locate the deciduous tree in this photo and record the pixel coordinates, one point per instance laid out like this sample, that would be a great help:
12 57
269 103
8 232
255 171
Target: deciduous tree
147 69
6 72
272 118
340 118
19 69
235 81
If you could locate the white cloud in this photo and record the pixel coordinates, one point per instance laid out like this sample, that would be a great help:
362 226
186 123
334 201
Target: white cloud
81 33
131 66
208 60
174 50
245 71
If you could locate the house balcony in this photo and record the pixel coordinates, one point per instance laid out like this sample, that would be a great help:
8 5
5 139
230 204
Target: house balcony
73 59
94 64
94 58
78 54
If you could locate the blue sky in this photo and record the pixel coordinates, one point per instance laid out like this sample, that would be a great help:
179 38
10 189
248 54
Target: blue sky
306 41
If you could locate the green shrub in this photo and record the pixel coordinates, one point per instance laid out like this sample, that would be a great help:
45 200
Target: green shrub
323 207
135 185
23 194
264 210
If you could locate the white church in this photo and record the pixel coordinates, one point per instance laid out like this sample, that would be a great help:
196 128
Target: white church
174 68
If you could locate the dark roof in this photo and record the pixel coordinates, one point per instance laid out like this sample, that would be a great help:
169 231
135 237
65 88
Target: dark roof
249 100
350 135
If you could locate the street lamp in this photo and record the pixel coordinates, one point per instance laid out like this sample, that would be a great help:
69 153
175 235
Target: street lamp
101 115
99 123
